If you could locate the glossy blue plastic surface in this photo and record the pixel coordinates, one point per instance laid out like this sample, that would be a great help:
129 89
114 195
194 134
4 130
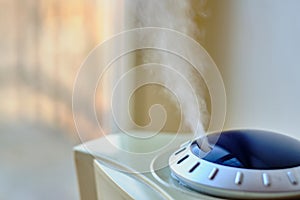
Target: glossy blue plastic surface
253 149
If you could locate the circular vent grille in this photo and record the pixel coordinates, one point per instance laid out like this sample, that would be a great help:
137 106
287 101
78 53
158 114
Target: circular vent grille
240 164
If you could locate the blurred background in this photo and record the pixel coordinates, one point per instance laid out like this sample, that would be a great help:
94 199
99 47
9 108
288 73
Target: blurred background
42 46
255 44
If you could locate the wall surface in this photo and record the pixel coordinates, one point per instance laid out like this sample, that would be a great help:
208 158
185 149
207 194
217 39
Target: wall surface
256 45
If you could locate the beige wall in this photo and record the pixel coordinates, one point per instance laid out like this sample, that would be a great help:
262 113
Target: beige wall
43 44
256 45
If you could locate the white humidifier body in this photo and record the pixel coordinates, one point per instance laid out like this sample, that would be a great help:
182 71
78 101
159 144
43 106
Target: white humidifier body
239 165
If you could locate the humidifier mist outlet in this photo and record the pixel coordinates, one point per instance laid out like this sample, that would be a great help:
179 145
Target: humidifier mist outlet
243 164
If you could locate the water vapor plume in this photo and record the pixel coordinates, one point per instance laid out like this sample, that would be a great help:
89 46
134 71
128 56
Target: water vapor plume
185 17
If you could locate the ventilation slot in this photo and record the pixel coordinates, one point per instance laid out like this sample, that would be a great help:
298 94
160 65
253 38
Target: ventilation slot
179 151
182 159
194 167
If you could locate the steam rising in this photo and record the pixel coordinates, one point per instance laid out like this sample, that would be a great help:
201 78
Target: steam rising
182 16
